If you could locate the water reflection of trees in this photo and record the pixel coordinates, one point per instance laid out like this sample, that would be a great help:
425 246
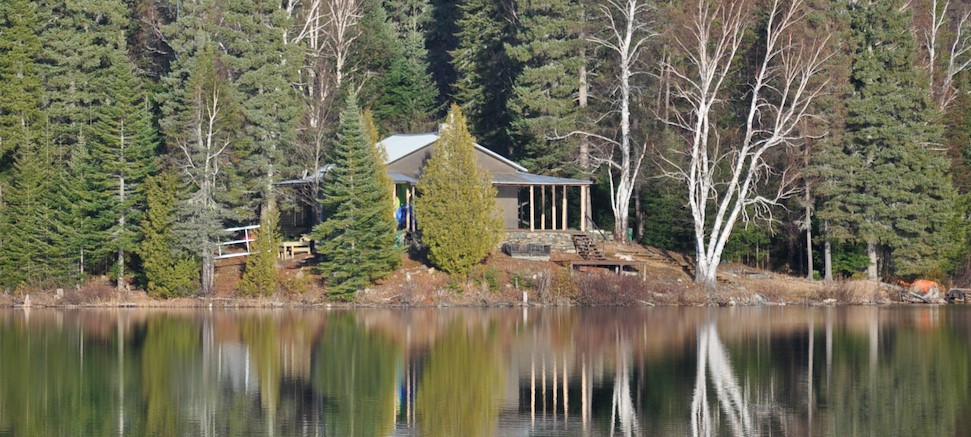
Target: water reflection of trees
638 371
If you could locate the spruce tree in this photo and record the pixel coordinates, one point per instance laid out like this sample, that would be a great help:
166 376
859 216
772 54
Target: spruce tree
460 219
123 144
28 213
20 84
486 72
167 270
357 240
260 276
886 186
548 45
265 68
26 171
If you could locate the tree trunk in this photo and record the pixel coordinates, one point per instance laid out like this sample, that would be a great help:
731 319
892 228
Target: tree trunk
827 255
809 236
638 214
208 272
871 252
584 141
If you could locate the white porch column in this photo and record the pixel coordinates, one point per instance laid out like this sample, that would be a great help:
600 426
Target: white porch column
583 208
565 225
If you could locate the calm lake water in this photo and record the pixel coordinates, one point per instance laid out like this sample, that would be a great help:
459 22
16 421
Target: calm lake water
868 371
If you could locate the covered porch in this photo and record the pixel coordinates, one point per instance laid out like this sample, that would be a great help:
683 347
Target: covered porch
542 203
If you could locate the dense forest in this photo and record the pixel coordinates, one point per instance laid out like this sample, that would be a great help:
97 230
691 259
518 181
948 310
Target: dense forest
827 138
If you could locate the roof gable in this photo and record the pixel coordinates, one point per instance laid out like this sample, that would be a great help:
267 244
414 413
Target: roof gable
402 145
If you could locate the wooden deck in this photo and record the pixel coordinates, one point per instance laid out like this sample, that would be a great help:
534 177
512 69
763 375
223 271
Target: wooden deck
618 266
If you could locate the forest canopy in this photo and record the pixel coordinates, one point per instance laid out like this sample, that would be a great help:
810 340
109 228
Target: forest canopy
833 135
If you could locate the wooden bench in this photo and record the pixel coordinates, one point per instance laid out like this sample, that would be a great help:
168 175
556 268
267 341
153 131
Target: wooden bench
290 249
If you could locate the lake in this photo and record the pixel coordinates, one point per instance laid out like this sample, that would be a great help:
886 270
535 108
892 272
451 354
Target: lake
869 371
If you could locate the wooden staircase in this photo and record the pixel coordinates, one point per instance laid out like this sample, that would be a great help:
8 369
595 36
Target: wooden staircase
587 249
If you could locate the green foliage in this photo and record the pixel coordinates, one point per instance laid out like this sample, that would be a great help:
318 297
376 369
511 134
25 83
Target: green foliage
884 184
667 223
407 99
123 146
460 219
260 275
486 72
264 68
19 81
358 238
167 271
548 45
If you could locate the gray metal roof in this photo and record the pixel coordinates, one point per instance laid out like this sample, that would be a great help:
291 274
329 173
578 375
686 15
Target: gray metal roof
401 145
523 178
321 174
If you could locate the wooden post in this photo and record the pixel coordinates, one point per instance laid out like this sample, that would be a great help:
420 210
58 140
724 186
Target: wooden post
407 209
583 208
553 206
532 210
542 207
565 226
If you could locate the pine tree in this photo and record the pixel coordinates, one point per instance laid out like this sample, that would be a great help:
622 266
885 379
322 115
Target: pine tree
549 43
260 276
460 219
167 271
886 186
358 238
486 72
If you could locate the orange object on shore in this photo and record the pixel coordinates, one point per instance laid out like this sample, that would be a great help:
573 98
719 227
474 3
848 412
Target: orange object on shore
923 285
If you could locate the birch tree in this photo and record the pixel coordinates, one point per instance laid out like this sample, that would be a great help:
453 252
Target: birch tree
626 37
327 31
729 179
944 30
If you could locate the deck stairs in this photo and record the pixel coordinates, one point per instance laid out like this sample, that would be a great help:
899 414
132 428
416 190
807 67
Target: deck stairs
587 249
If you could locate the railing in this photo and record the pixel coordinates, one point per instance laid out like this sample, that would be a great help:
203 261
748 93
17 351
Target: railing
247 238
595 228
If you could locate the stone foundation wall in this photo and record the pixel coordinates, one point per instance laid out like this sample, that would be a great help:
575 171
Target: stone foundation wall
559 241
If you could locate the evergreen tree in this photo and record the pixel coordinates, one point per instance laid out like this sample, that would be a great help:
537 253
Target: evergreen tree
548 46
202 123
486 72
265 66
167 271
123 145
390 60
19 82
26 172
460 218
886 186
357 240
259 277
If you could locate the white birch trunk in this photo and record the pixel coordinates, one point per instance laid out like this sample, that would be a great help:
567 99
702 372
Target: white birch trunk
781 92
628 35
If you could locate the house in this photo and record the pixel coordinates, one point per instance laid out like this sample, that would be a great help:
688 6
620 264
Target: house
529 201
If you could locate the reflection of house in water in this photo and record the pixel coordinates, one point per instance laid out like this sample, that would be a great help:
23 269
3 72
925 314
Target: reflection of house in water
234 367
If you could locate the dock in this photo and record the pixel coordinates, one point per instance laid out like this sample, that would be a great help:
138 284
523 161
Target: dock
619 266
